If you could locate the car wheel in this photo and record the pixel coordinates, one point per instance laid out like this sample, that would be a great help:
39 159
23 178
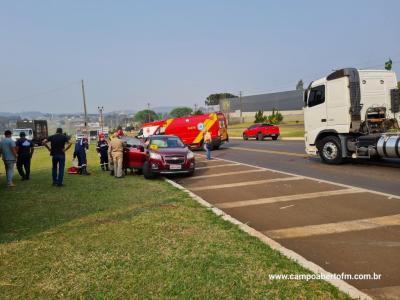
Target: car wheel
245 137
330 150
274 138
260 137
147 173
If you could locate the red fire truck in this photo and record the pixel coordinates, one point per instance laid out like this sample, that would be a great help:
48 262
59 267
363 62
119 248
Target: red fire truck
190 129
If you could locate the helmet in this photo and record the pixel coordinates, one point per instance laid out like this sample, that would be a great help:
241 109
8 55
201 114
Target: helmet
120 133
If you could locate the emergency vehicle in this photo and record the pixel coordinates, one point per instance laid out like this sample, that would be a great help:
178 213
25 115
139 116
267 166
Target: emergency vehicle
190 129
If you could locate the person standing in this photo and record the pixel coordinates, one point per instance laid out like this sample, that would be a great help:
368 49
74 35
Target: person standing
102 150
9 152
81 146
116 150
25 151
57 151
207 143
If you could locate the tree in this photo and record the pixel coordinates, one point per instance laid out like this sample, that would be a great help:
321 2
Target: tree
388 65
214 99
198 112
275 118
146 115
259 117
179 112
300 85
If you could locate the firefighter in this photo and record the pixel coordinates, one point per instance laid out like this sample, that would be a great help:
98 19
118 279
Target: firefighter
102 150
81 146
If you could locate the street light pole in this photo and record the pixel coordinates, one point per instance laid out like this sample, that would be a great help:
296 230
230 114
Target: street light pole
148 112
100 109
241 106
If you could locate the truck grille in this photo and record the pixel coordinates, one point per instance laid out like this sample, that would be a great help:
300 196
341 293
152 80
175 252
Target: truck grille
175 160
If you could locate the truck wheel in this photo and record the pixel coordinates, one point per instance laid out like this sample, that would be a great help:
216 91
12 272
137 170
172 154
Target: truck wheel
259 137
147 173
245 137
330 150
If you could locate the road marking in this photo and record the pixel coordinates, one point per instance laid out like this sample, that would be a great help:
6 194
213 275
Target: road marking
340 284
269 151
224 174
246 183
331 228
218 166
287 198
287 206
392 196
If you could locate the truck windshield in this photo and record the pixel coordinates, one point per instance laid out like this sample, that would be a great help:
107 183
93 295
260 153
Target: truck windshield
16 132
167 142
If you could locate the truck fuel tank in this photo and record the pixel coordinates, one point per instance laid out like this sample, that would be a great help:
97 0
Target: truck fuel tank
389 146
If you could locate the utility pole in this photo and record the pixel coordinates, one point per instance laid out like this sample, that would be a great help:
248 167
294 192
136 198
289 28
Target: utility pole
148 112
84 107
195 108
100 109
241 106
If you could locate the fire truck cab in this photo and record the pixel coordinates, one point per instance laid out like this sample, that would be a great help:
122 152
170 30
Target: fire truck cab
191 129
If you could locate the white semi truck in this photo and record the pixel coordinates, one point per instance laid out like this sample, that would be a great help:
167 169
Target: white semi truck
353 114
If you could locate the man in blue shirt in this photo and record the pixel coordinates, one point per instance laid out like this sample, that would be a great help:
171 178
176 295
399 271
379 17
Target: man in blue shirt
25 151
57 151
9 152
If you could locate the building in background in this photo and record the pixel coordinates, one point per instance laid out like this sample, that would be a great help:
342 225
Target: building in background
289 103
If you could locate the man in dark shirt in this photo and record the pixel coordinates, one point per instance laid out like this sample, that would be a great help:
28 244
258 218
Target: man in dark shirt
25 151
57 151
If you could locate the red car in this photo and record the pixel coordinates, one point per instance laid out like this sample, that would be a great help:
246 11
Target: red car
167 154
261 131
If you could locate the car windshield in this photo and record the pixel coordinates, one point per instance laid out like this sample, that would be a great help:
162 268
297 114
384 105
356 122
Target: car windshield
166 142
131 142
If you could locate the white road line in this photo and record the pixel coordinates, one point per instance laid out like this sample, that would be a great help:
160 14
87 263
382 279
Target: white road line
287 206
218 166
246 183
287 198
224 174
331 228
340 284
391 196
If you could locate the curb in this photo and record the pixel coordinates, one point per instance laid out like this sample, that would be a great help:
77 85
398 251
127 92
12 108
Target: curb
279 139
340 284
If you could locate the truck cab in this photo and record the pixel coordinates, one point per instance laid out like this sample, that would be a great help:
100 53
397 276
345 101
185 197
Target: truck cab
348 112
28 134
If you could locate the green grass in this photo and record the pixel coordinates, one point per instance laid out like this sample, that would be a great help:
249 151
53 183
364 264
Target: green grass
101 237
287 130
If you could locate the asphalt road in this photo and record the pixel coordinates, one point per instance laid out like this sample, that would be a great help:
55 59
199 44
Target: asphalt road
314 209
289 156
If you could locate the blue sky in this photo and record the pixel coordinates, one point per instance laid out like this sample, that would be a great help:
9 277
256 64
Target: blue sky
178 52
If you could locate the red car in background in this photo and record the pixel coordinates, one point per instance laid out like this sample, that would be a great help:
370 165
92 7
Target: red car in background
260 131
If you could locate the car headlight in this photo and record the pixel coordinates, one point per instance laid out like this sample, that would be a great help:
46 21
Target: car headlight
190 155
154 155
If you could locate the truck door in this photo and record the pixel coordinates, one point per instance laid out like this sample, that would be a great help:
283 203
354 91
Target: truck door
338 102
315 119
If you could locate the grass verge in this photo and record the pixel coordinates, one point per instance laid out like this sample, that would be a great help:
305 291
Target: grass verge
100 237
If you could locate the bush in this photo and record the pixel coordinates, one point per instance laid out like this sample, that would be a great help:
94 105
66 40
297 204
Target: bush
275 118
259 117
